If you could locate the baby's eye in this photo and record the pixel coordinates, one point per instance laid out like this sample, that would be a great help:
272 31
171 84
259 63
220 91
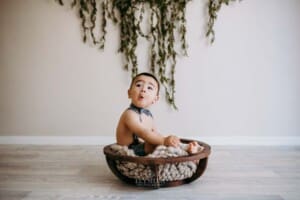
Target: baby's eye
150 88
138 85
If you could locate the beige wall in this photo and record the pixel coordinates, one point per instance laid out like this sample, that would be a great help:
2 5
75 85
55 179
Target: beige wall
246 84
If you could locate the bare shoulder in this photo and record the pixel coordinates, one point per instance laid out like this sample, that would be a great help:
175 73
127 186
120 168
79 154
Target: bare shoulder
129 115
133 122
124 128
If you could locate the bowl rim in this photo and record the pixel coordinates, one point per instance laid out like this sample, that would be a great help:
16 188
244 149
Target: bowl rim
109 153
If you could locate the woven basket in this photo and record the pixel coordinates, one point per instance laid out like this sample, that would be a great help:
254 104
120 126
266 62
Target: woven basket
200 158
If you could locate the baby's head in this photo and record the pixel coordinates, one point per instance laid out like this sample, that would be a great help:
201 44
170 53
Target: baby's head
144 90
148 75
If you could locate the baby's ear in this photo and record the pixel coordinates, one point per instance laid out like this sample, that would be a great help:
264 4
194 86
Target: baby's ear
129 93
156 99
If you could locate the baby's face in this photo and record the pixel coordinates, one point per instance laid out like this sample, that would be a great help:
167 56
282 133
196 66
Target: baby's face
143 91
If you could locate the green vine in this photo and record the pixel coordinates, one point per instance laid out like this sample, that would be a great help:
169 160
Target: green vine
213 7
167 18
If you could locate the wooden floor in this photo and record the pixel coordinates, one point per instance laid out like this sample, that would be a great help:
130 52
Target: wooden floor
80 172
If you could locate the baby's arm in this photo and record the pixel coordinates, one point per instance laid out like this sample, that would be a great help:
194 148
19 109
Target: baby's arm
172 140
149 135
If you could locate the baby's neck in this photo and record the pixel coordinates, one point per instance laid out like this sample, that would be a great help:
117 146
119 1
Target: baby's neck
140 110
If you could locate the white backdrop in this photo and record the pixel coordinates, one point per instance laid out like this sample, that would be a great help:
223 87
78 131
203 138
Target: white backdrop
247 84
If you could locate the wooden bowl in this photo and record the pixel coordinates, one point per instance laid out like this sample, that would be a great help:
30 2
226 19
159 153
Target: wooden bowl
200 158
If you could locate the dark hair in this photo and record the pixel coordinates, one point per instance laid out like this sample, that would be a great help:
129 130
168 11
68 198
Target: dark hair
146 74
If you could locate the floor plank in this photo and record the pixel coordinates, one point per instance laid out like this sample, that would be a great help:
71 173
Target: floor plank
34 172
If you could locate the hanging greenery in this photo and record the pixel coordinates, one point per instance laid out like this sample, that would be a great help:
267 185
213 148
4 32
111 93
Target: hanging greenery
213 7
167 27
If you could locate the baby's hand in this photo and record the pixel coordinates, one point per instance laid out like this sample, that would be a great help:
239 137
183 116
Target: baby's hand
171 140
